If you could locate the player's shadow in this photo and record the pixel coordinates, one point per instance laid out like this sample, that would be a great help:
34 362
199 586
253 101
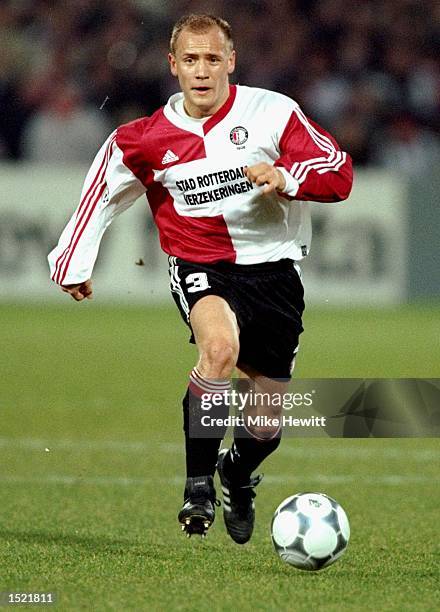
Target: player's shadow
103 543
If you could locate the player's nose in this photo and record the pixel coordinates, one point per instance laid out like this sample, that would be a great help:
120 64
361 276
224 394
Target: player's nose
202 70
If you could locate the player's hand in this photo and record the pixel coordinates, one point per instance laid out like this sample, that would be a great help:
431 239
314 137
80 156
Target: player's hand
265 174
79 292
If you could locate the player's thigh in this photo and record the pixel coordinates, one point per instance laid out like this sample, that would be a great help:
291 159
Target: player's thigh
214 323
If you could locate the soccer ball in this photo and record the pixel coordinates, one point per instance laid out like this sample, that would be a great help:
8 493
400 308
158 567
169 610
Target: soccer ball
310 530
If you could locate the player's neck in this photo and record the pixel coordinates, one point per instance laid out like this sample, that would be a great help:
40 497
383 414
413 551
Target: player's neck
180 109
194 115
199 114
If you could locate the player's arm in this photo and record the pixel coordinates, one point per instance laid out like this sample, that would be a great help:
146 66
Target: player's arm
109 189
313 165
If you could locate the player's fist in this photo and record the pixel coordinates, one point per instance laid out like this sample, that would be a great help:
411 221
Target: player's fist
79 292
267 175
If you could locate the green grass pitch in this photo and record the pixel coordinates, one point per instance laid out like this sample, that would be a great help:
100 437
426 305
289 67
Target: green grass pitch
91 469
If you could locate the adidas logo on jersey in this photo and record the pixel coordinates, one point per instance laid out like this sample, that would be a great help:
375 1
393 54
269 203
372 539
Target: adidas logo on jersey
169 157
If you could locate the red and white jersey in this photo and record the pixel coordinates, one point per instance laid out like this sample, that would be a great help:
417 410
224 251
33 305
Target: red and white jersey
192 172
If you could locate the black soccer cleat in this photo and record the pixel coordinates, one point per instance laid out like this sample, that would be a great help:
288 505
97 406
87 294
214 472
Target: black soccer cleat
238 503
198 510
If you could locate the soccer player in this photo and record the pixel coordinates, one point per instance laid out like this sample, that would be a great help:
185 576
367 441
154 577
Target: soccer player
227 171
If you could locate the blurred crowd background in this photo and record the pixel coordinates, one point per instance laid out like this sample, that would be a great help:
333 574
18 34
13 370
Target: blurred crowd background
367 70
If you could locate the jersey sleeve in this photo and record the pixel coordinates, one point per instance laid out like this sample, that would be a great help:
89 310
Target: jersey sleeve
313 165
109 189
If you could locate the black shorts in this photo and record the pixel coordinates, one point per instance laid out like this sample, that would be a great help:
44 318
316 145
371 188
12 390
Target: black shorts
267 299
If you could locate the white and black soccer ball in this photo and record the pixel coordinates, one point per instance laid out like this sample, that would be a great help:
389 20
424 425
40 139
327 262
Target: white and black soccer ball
310 530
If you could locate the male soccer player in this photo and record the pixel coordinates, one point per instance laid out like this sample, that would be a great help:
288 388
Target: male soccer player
227 170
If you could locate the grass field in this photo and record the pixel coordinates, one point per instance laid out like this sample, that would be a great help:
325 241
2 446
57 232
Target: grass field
91 469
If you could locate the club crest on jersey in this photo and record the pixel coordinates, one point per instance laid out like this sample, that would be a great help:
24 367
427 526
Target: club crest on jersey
238 135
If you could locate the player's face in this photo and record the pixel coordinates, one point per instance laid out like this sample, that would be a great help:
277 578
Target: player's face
203 63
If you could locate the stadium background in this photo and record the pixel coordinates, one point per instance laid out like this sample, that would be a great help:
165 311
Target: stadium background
91 469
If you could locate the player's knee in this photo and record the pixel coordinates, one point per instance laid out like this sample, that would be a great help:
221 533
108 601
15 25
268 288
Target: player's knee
219 358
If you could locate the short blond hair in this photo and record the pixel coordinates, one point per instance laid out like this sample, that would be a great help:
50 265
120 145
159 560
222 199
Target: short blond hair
199 24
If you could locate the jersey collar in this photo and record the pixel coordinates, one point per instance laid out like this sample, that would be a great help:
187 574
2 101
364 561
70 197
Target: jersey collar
201 129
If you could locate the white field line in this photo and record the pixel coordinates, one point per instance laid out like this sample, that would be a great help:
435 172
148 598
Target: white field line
123 446
278 479
374 451
351 451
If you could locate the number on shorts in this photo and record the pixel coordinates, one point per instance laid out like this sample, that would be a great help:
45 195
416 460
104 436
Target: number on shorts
197 281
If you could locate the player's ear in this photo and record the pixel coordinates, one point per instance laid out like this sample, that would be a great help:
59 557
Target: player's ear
173 64
231 62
